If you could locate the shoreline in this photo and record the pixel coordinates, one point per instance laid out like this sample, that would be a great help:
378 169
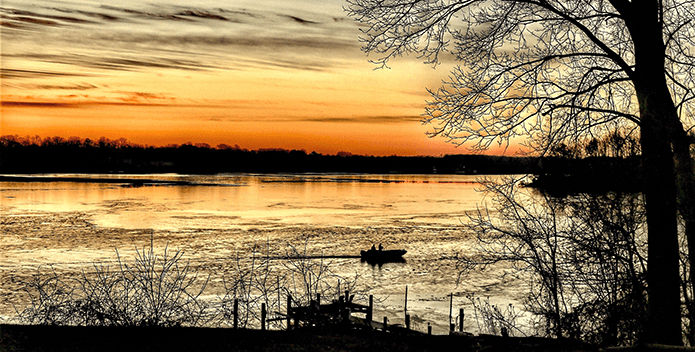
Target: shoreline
131 181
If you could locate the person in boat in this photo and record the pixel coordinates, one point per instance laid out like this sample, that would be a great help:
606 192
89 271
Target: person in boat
381 248
373 248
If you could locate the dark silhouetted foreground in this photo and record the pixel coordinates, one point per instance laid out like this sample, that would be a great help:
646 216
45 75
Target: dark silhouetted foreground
77 339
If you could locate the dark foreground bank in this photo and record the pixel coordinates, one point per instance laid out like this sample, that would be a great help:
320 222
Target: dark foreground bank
76 339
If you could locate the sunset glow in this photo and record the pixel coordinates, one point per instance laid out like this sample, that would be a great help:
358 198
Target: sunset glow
271 74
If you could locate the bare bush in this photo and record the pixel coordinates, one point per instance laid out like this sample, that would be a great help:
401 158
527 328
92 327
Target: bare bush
155 290
493 320
585 255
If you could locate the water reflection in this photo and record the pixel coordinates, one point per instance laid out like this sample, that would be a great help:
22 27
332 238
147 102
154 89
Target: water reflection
73 224
249 200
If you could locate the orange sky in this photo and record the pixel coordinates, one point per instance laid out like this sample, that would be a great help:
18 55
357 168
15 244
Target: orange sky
287 74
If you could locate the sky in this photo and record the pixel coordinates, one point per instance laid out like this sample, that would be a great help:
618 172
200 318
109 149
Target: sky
259 74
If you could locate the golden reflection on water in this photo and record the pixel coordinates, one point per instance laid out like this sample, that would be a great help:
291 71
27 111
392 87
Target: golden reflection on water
220 218
245 201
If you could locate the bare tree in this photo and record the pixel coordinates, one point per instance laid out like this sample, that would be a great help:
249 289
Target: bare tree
585 255
558 70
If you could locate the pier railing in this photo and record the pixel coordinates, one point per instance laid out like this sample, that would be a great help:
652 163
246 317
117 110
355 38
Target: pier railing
341 311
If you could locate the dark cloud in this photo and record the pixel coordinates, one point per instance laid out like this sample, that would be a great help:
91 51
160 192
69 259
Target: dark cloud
80 104
110 63
367 119
202 14
23 104
22 16
299 20
146 14
240 38
186 14
7 73
81 86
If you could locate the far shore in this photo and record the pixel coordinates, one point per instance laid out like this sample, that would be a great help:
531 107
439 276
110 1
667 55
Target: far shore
131 181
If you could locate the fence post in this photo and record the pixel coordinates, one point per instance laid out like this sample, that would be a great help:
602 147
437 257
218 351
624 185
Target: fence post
263 314
236 313
371 308
461 319
289 312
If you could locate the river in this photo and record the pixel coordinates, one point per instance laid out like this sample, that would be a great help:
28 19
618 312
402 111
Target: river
214 220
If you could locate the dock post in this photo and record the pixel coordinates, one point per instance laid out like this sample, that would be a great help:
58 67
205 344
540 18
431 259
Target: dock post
407 321
263 314
452 327
236 313
346 315
429 329
341 304
289 312
347 296
371 308
318 302
405 305
460 319
386 320
451 308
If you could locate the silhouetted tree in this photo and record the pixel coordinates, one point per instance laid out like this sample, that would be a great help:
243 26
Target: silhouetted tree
585 255
558 70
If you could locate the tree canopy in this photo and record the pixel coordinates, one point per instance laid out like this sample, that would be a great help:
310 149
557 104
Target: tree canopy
550 70
558 71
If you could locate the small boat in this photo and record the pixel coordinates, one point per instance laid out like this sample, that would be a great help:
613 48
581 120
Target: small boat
383 256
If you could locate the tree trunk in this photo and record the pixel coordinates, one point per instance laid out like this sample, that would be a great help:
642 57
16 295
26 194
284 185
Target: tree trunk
663 315
685 173
657 115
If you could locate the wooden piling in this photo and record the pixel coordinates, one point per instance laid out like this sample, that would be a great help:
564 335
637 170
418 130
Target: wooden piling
386 320
460 319
371 309
263 316
289 312
451 308
429 329
236 313
405 305
407 321
346 315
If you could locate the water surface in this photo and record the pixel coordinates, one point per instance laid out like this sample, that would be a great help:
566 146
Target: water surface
217 219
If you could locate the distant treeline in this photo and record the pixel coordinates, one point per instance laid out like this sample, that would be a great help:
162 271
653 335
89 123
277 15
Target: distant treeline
75 155
20 155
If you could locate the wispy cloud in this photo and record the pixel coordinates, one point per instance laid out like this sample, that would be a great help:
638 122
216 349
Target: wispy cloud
133 36
7 73
368 119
